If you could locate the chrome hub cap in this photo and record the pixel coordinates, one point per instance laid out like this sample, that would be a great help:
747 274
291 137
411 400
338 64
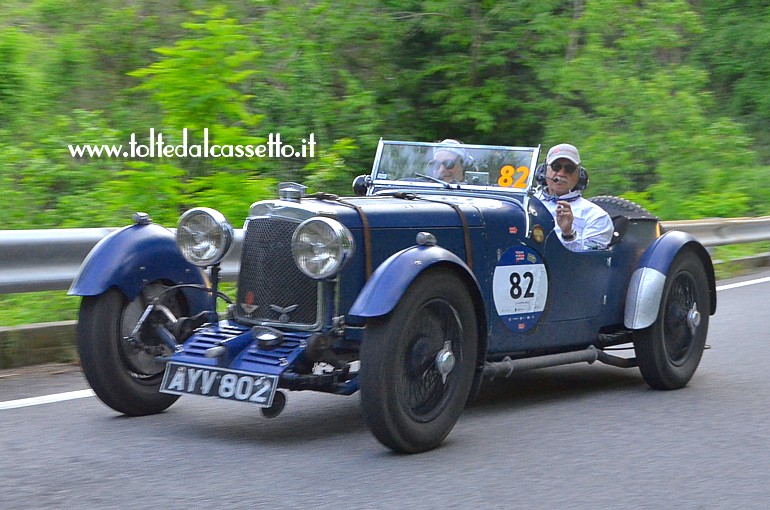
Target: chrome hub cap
445 361
693 318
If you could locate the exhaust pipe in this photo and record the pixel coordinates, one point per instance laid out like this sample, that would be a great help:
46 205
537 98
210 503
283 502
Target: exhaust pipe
508 366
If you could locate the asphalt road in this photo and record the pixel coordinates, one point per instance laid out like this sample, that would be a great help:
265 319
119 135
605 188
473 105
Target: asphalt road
570 437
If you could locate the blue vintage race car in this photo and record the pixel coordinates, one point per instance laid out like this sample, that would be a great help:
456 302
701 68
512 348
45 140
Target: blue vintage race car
413 291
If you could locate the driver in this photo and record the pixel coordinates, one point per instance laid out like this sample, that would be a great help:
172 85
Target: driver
448 163
581 224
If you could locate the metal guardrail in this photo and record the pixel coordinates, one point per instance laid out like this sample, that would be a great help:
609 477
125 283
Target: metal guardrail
724 231
34 260
37 260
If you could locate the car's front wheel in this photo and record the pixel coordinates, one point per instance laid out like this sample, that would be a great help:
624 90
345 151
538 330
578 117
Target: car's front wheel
417 364
123 375
670 349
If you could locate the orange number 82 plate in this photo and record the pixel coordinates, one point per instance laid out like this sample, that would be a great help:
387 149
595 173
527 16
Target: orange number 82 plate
513 177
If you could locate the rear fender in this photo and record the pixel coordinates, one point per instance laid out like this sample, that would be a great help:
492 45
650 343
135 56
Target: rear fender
645 289
130 258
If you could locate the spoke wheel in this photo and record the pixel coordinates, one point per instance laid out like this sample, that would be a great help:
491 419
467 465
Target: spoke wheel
678 338
670 350
417 364
424 388
123 376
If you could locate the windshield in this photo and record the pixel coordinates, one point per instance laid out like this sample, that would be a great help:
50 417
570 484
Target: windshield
466 166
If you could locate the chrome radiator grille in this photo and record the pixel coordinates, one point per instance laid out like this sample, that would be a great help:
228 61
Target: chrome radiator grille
270 280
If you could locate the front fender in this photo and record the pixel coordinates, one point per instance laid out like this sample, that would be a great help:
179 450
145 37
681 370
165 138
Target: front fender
391 279
645 289
131 257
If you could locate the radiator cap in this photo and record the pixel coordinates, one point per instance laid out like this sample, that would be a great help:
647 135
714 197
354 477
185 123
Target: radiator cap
291 191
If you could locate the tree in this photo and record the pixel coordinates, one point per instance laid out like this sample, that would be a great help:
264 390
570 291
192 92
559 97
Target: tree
468 69
201 82
735 50
650 92
639 112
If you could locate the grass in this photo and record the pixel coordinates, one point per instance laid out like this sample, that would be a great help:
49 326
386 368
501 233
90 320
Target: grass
37 307
727 254
55 306
735 251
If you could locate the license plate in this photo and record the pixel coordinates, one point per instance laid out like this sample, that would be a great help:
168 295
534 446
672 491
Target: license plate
257 389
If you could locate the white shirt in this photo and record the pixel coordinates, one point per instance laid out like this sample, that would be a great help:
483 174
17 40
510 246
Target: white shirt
591 224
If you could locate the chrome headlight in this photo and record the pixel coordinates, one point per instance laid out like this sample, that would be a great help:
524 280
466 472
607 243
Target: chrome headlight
204 236
321 246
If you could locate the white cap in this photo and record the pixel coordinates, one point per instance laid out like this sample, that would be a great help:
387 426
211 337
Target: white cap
563 150
454 150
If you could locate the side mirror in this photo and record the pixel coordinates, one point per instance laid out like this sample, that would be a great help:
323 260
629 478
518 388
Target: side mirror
361 185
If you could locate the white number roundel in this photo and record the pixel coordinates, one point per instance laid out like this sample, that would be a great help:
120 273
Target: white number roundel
520 288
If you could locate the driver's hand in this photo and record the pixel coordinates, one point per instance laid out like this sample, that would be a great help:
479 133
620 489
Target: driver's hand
564 216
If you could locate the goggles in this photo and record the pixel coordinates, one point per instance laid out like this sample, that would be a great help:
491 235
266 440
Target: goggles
447 163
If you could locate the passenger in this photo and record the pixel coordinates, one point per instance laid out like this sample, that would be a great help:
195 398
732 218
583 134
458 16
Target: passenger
580 224
449 163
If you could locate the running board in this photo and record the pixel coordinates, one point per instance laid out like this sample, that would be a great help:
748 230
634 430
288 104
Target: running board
508 366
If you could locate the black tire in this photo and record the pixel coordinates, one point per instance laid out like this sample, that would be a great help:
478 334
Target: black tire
670 350
616 206
122 376
406 403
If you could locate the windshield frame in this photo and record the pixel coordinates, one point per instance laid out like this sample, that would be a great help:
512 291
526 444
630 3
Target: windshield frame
379 182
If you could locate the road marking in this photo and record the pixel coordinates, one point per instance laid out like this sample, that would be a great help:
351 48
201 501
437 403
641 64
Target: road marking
743 284
45 399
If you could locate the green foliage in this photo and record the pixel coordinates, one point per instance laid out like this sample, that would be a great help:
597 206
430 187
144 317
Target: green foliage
229 193
325 79
329 172
12 80
665 99
202 82
154 188
736 52
194 81
470 69
44 183
642 119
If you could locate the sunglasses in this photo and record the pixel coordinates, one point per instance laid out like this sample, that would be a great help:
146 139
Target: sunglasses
448 163
568 167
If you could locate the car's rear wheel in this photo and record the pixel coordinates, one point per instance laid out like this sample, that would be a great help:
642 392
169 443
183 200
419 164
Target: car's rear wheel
670 350
417 364
124 376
